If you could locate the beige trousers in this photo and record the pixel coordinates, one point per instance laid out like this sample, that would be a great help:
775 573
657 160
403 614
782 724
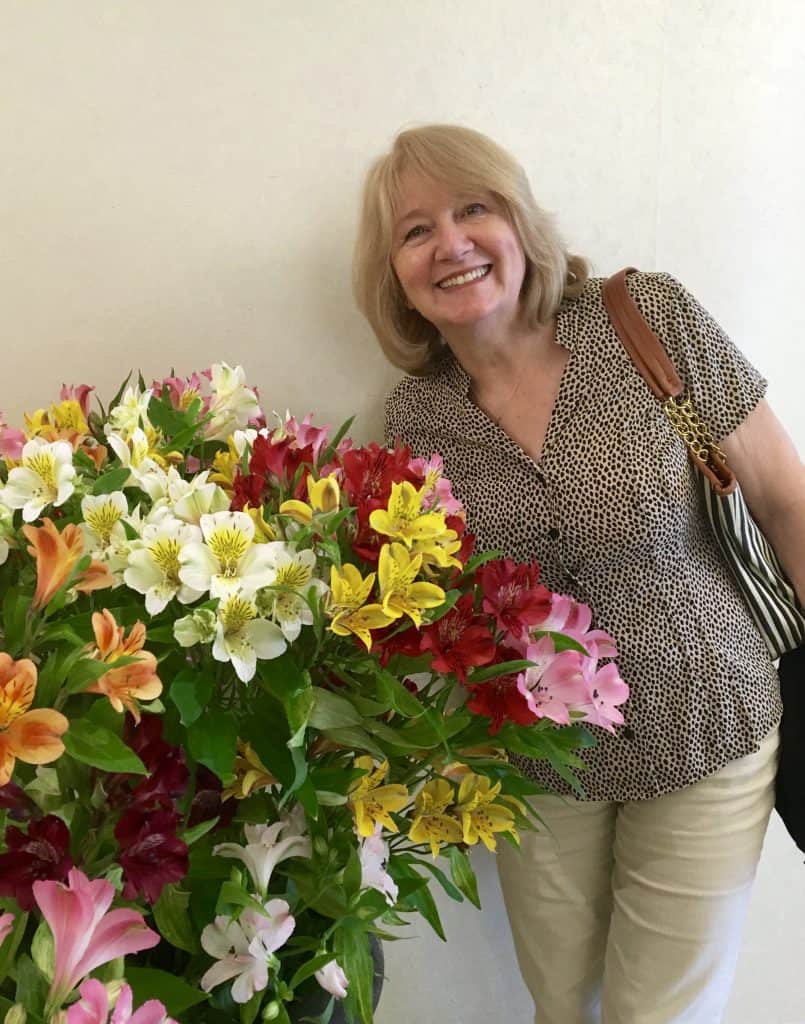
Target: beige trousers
631 913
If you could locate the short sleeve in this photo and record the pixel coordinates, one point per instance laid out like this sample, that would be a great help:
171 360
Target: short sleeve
724 385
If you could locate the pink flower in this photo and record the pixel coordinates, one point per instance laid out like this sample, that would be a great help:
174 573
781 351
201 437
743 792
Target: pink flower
554 683
94 1008
6 924
11 441
332 979
307 435
569 616
605 689
84 934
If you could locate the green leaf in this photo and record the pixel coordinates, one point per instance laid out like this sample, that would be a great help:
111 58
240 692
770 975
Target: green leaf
8 948
112 480
331 711
421 899
15 608
442 879
505 668
352 736
309 969
212 740
463 875
329 451
31 985
561 641
392 690
86 671
190 691
43 950
354 958
195 833
172 919
94 745
352 875
174 992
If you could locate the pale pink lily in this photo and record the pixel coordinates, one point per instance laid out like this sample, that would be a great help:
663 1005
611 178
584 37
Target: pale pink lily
84 934
554 683
605 690
264 849
332 979
244 948
94 1007
374 855
6 924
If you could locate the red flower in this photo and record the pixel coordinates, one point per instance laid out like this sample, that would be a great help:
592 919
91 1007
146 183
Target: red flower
459 640
40 854
389 642
16 802
206 803
513 595
500 700
369 473
152 855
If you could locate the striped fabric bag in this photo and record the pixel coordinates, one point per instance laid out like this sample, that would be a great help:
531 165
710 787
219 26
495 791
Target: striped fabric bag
769 595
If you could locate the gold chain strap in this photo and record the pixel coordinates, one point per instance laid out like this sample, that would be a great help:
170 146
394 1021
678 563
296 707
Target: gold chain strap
685 421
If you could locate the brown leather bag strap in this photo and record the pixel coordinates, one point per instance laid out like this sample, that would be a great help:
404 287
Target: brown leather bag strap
648 354
644 347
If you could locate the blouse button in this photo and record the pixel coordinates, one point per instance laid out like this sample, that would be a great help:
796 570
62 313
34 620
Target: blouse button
553 533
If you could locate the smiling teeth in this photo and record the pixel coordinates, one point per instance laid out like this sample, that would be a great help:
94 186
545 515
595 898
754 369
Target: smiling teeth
471 275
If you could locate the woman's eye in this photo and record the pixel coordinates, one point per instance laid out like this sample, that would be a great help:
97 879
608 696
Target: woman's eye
415 232
474 209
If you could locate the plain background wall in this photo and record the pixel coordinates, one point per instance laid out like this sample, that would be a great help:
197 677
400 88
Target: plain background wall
179 181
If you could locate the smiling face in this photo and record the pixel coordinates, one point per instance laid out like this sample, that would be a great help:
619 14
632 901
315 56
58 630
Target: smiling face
457 257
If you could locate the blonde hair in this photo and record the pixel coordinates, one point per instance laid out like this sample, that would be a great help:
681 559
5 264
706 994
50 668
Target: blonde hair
465 160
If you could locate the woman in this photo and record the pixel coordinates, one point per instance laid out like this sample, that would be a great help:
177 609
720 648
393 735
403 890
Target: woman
628 907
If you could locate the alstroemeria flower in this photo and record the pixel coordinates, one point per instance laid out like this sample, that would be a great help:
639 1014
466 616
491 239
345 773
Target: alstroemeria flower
404 518
227 560
137 455
232 404
437 488
374 855
45 478
332 979
400 591
513 594
130 683
6 531
605 690
292 580
244 948
348 593
242 637
372 802
94 1007
555 683
84 934
265 849
251 775
151 854
103 516
57 555
154 564
12 441
459 640
431 824
197 628
480 816
32 736
41 852
6 924
130 414
192 499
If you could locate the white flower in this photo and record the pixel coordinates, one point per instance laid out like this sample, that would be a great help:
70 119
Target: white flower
292 576
245 948
243 439
374 855
103 519
133 454
45 478
195 498
227 560
198 628
6 531
242 637
232 404
130 413
332 979
154 564
264 849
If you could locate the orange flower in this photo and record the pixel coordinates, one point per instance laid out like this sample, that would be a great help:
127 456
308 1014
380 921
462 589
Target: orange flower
125 685
56 556
31 736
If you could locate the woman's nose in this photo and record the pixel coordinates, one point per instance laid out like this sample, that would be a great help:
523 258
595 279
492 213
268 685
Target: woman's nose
452 241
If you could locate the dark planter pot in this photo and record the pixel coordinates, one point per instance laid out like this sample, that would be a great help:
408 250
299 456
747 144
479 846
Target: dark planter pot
316 1002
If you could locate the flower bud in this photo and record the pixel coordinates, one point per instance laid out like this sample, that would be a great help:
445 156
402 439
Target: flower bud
272 1010
198 628
17 1015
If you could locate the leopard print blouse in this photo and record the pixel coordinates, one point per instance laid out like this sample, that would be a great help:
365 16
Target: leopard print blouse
610 512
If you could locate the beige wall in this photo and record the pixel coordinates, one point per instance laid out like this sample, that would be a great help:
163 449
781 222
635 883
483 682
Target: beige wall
178 184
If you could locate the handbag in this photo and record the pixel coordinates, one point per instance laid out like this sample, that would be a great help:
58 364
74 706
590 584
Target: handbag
769 596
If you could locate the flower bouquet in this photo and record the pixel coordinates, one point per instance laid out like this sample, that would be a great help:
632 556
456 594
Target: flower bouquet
254 689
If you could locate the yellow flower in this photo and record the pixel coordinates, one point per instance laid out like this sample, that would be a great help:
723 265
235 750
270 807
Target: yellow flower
431 824
324 496
263 533
348 592
400 591
481 817
371 802
30 736
404 519
251 775
225 466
